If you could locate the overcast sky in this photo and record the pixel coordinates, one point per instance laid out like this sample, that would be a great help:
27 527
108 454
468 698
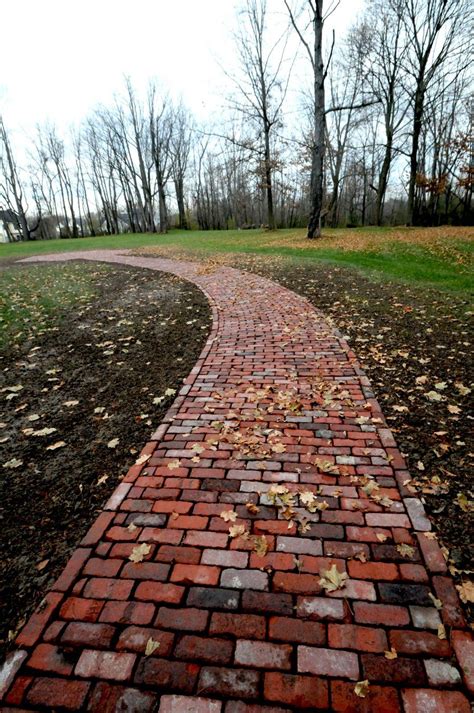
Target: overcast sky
60 58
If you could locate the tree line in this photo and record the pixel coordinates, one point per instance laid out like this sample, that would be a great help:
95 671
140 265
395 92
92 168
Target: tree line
382 133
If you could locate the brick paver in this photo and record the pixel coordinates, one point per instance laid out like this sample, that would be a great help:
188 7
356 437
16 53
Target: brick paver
273 465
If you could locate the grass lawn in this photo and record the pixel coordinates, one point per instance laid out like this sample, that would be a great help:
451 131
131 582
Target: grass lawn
440 257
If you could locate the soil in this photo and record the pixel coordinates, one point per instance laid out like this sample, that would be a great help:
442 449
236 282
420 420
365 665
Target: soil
93 377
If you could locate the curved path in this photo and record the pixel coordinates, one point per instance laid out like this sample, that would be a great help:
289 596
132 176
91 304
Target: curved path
278 426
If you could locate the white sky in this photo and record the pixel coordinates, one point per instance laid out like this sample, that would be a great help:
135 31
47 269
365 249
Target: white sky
60 58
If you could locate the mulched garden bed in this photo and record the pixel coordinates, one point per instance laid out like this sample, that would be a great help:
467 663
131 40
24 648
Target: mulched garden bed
103 376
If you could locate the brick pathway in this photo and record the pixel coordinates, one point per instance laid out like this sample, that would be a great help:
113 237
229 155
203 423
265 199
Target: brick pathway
277 427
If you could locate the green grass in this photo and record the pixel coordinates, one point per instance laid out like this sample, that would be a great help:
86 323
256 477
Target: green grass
440 257
32 300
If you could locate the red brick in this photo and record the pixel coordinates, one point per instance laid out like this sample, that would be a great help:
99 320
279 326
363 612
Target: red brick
181 704
135 638
419 642
320 608
170 506
249 626
229 682
57 692
185 555
209 649
188 522
106 588
95 533
107 698
296 583
367 613
158 592
121 534
399 670
71 570
127 613
37 622
413 572
373 570
432 554
206 539
378 700
295 630
88 634
463 644
327 662
47 657
98 567
361 638
17 691
451 612
182 619
105 664
261 654
81 609
167 675
275 560
424 700
300 691
195 574
154 571
225 558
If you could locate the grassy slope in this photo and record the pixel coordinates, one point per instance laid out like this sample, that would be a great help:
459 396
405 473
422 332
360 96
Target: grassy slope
439 257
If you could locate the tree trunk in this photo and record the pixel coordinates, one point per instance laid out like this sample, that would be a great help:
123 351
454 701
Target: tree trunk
317 158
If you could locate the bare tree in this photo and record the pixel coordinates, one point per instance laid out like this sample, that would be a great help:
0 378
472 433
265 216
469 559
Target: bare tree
314 18
436 34
180 146
261 88
11 190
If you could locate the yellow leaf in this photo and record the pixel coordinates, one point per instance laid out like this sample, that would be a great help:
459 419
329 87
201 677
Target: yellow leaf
381 537
252 508
466 591
174 464
437 602
151 646
139 552
237 531
142 459
441 632
406 550
392 654
113 443
260 543
332 580
361 688
54 446
228 515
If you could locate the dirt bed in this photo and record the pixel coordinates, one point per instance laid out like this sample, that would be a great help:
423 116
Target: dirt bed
102 374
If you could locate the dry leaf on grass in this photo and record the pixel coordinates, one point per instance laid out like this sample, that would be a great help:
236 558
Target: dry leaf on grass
113 443
466 591
55 446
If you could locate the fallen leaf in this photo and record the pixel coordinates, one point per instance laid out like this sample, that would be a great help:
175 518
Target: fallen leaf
228 515
252 508
237 531
260 545
139 552
434 396
13 463
174 464
113 443
454 409
437 602
142 459
332 580
170 392
42 565
361 688
102 479
441 632
74 402
406 550
392 654
466 591
151 646
44 432
55 446
381 537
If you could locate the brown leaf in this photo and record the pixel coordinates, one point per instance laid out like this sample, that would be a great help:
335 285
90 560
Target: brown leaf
361 688
332 580
139 552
